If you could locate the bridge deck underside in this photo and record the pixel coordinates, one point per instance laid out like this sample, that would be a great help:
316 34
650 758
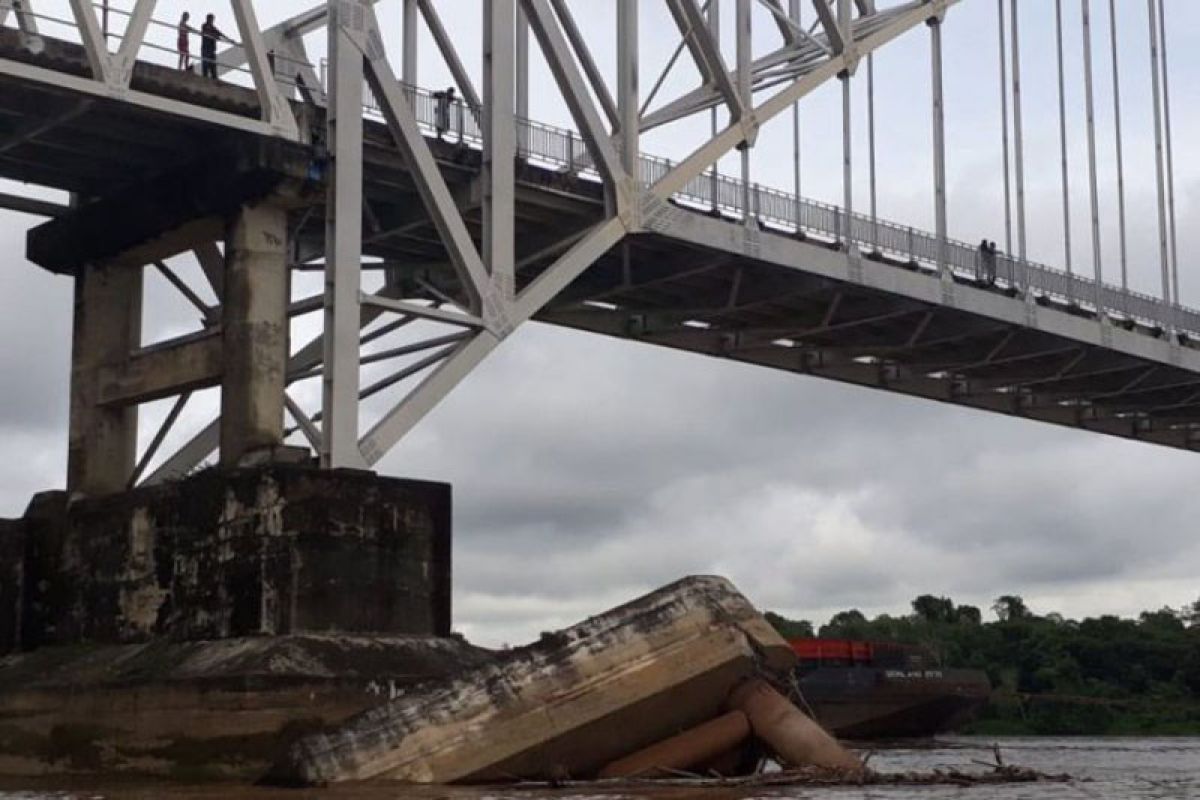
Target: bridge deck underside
740 309
699 293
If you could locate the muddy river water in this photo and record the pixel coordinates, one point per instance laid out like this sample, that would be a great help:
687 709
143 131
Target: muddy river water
1103 769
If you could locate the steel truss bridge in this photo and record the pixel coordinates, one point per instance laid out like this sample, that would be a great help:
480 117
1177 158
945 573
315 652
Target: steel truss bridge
481 220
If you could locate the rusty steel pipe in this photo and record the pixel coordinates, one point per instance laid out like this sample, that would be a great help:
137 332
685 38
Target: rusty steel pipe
795 739
683 751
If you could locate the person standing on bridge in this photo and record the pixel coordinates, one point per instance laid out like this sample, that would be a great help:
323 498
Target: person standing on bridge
183 43
441 112
209 36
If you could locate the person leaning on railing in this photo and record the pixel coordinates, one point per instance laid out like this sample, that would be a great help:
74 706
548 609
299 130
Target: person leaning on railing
209 36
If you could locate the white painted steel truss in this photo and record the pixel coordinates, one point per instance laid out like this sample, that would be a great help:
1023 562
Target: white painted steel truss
752 88
112 71
609 122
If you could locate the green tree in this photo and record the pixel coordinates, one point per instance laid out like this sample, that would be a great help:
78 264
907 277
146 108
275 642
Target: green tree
934 609
1190 614
968 615
790 628
1010 608
850 624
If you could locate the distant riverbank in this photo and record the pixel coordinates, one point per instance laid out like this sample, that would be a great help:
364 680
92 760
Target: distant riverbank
1100 676
1053 715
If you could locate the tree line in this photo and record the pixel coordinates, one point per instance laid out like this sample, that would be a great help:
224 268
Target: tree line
1050 674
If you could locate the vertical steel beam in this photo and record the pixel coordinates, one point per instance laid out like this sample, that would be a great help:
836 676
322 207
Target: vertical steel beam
343 246
522 63
1155 64
714 30
1019 142
1062 136
1116 82
745 58
847 166
1166 95
871 144
1008 241
1097 258
939 145
408 64
794 7
499 143
847 140
628 101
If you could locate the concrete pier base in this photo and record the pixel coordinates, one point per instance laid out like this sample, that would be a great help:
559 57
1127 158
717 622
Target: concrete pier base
196 628
200 711
268 551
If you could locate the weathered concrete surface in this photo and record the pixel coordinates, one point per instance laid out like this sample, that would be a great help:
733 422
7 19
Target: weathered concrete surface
567 705
102 442
199 710
255 327
269 551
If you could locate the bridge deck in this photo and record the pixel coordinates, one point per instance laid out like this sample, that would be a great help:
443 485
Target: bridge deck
775 293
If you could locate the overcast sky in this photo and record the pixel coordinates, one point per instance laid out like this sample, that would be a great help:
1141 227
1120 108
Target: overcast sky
588 470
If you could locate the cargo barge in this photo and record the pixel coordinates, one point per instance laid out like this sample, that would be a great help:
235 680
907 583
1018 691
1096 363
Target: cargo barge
883 690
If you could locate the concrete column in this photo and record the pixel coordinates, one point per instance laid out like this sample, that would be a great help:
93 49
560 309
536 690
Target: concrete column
255 333
102 446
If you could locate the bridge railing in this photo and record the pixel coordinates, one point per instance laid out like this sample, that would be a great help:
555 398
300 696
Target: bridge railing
563 149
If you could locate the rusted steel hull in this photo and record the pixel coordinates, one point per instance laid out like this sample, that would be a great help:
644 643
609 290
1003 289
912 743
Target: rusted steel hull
871 703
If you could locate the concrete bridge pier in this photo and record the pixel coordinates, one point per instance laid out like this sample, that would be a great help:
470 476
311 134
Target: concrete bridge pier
243 348
138 610
255 334
102 443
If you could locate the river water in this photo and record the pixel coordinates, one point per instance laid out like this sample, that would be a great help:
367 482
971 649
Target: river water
1103 769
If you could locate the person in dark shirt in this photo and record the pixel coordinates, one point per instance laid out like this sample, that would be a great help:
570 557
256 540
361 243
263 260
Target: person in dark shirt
209 36
443 102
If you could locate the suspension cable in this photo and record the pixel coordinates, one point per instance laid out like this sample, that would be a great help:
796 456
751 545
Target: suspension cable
1116 80
1166 93
1062 135
1152 6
